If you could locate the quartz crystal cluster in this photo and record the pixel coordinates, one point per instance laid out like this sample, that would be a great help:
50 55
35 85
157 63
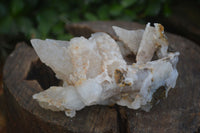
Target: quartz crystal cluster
95 70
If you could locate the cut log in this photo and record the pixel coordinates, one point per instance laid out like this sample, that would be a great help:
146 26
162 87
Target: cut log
24 75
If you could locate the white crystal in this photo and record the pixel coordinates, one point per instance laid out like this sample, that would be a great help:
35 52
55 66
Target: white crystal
94 70
131 38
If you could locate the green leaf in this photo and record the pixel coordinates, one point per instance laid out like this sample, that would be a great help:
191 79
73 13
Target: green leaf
64 37
130 15
127 3
58 28
5 25
46 21
17 6
89 16
103 12
8 26
116 10
25 25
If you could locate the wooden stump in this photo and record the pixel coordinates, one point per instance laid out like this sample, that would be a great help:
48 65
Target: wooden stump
24 75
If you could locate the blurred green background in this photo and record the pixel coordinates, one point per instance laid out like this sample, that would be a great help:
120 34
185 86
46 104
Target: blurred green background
21 20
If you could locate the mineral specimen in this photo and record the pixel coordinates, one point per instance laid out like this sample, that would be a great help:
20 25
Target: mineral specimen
94 70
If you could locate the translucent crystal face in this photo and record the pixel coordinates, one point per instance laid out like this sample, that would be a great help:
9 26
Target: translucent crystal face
94 70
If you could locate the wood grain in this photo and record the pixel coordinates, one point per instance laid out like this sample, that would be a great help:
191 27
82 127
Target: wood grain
180 112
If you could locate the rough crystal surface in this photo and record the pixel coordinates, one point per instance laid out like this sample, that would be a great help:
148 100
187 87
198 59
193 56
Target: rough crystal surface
94 70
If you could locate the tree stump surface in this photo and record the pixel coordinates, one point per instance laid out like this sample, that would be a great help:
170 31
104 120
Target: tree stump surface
25 75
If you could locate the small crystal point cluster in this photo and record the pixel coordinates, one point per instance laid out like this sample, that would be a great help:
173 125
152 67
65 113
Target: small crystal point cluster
94 70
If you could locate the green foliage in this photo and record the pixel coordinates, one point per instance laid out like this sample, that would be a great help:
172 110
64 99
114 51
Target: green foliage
42 19
47 19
